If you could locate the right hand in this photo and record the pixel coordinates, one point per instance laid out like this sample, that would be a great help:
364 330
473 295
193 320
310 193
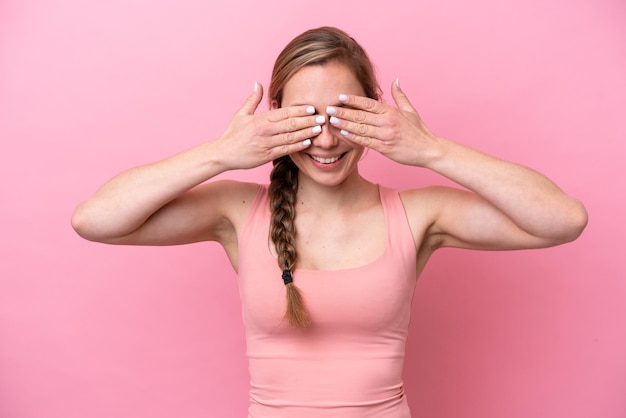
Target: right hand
253 140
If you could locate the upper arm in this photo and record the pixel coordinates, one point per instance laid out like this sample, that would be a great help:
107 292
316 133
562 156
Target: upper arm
208 212
457 218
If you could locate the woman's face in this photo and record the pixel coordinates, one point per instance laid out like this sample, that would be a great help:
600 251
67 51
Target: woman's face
331 159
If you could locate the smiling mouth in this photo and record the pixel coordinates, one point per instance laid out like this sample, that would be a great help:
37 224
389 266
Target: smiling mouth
327 160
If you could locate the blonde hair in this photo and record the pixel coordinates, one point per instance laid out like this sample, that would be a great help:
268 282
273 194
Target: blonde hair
313 47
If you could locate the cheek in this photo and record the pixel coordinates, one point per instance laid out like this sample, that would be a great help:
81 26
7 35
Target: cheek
364 152
360 151
297 159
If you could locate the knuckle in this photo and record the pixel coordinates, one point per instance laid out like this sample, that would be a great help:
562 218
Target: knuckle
273 116
284 113
360 116
261 129
290 138
365 140
291 124
362 129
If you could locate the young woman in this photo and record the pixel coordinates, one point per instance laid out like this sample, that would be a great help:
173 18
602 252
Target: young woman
334 346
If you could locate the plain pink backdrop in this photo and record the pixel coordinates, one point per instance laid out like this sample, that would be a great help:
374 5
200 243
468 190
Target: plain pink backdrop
90 88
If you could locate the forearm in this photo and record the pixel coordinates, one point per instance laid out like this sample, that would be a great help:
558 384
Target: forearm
126 201
531 200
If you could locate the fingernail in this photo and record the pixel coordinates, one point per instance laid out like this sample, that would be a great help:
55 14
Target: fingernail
310 110
306 142
334 120
317 129
256 86
320 119
344 132
331 110
343 98
398 82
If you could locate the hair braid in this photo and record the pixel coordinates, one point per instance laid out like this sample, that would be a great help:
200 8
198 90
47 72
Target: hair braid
282 192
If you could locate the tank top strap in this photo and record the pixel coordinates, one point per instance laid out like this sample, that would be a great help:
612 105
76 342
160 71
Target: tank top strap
399 235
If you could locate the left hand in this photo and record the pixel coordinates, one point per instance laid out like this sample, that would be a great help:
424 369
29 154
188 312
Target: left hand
396 132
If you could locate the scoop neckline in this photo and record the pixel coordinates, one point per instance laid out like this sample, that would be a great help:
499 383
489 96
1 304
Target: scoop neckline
373 262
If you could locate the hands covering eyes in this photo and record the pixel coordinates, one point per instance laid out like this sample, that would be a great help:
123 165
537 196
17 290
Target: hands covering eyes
396 132
253 140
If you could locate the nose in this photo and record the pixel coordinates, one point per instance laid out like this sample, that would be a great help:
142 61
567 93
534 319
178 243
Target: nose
326 139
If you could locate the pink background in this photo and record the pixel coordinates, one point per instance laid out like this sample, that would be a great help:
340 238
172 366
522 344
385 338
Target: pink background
89 88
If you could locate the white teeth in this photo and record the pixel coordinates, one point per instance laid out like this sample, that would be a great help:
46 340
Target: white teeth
325 160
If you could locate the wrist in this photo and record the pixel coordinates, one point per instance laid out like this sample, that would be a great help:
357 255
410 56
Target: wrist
434 156
216 158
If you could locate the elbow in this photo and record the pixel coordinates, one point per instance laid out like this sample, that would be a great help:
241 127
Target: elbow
79 222
574 223
582 219
93 225
83 224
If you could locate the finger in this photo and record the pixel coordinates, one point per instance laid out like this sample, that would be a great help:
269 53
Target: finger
363 103
283 113
360 129
252 102
355 115
295 136
402 101
363 140
298 123
285 149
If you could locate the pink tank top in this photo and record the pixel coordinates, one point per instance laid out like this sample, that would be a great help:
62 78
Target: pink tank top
349 362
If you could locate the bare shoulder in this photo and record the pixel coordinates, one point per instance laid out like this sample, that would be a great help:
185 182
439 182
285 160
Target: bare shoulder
430 197
426 202
423 208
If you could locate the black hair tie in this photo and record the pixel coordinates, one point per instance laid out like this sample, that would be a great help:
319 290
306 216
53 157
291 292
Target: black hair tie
287 278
